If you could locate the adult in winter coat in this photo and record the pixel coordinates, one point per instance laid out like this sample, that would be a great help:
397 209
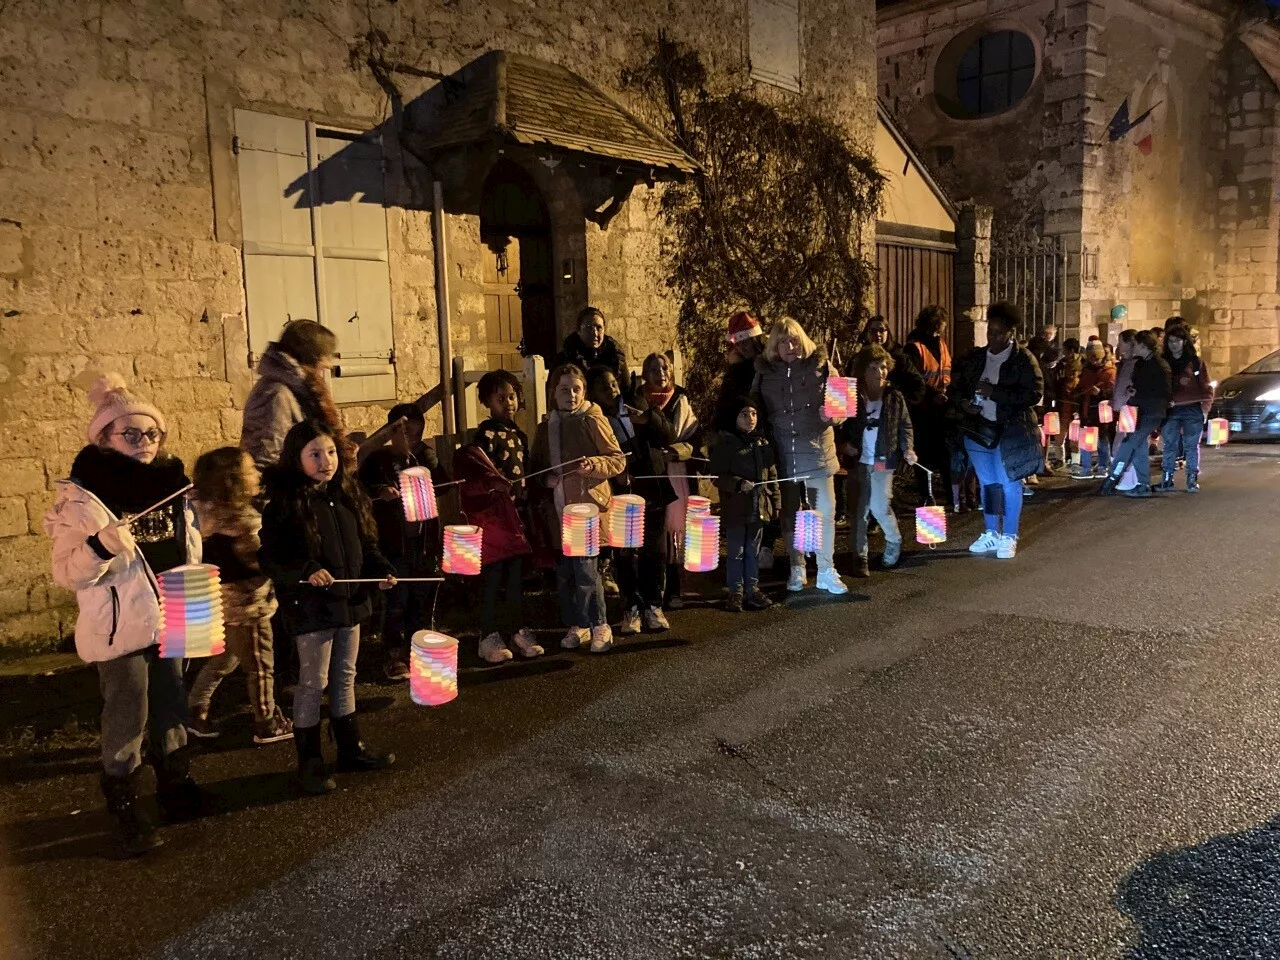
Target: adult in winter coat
1149 393
747 344
589 346
112 565
290 388
1188 407
791 381
927 346
994 395
905 375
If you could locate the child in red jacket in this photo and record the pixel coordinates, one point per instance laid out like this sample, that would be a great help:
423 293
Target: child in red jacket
491 472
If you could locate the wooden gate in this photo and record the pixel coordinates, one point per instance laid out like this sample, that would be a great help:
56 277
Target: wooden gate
909 278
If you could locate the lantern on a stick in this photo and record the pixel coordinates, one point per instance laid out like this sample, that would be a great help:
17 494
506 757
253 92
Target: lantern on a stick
931 524
1089 439
462 549
808 532
191 622
418 494
433 668
701 543
840 400
697 507
1052 423
580 530
1127 422
1105 413
624 522
1219 432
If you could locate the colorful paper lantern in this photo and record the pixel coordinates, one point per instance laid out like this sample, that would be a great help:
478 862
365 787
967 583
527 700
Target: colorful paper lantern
1089 439
808 532
580 530
191 622
624 522
418 494
1127 422
697 507
1052 423
1219 431
931 525
1105 413
433 668
841 398
701 543
1073 430
462 549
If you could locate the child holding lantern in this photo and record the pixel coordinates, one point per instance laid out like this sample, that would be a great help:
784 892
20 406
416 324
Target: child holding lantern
878 437
1096 383
111 563
318 534
743 462
576 439
226 486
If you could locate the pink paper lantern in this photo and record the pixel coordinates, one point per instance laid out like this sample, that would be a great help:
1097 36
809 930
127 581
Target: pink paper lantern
624 522
1105 413
191 622
808 532
840 400
1073 430
1052 423
433 668
697 507
462 549
580 530
931 525
701 543
418 494
1089 439
1127 422
1219 432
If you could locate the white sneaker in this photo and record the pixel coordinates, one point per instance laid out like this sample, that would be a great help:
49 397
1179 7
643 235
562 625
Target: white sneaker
986 543
493 650
1008 548
630 622
830 581
655 620
526 643
795 582
601 639
575 638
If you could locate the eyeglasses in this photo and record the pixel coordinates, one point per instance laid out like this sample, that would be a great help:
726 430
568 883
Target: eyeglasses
134 436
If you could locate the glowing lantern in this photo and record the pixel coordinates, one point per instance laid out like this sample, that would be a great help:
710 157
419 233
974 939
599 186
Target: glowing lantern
1105 413
1089 439
191 612
580 530
808 532
931 525
1052 423
433 668
624 522
698 507
1073 430
462 548
1128 420
418 494
701 543
1219 431
841 398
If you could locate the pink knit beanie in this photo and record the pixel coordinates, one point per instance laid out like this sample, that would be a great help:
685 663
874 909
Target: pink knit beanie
112 400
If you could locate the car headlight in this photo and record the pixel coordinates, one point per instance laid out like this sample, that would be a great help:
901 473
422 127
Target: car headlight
1271 396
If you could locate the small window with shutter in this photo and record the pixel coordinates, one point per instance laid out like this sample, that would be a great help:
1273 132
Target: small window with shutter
774 42
315 244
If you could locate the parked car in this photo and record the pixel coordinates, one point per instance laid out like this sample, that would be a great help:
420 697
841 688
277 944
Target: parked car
1250 400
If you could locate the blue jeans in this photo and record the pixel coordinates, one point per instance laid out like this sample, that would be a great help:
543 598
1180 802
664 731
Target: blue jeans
1185 423
326 656
742 562
581 592
1104 451
989 466
1133 449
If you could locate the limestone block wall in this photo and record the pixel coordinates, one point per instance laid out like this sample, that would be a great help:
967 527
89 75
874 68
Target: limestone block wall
120 245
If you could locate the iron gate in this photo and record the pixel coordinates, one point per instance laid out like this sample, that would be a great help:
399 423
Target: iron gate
1033 274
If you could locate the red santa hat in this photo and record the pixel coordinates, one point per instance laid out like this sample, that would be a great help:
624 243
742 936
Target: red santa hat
743 326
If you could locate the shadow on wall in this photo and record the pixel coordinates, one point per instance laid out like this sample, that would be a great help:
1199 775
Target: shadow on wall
1219 899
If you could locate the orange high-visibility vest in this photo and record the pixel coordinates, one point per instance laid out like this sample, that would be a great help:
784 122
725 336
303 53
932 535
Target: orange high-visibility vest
936 370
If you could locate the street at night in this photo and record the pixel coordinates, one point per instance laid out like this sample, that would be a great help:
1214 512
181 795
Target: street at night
1073 755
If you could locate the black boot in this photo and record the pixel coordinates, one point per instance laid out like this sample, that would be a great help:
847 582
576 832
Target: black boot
135 833
1166 482
1193 481
180 797
312 776
354 756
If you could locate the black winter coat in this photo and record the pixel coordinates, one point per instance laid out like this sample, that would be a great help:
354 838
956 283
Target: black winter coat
609 355
1152 385
739 457
643 449
345 551
1016 395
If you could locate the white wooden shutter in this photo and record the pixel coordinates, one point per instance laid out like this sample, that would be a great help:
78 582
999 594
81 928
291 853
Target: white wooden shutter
774 42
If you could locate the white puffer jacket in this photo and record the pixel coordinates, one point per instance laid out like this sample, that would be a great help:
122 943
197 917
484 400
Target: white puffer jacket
119 600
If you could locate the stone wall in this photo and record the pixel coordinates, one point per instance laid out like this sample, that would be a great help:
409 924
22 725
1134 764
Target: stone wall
119 222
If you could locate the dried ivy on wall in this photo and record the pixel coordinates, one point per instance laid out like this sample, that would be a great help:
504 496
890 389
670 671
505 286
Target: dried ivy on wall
774 221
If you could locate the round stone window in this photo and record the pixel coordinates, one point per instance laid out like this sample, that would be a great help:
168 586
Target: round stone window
986 75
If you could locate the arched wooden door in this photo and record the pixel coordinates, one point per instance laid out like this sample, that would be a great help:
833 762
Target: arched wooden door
518 295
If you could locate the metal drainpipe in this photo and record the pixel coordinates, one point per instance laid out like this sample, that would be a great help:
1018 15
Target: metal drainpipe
442 305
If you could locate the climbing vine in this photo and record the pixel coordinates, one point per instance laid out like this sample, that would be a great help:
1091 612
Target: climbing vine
773 221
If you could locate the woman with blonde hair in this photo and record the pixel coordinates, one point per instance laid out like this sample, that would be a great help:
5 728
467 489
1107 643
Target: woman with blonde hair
791 379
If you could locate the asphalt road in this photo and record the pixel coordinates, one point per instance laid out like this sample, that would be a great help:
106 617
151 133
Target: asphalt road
1070 755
